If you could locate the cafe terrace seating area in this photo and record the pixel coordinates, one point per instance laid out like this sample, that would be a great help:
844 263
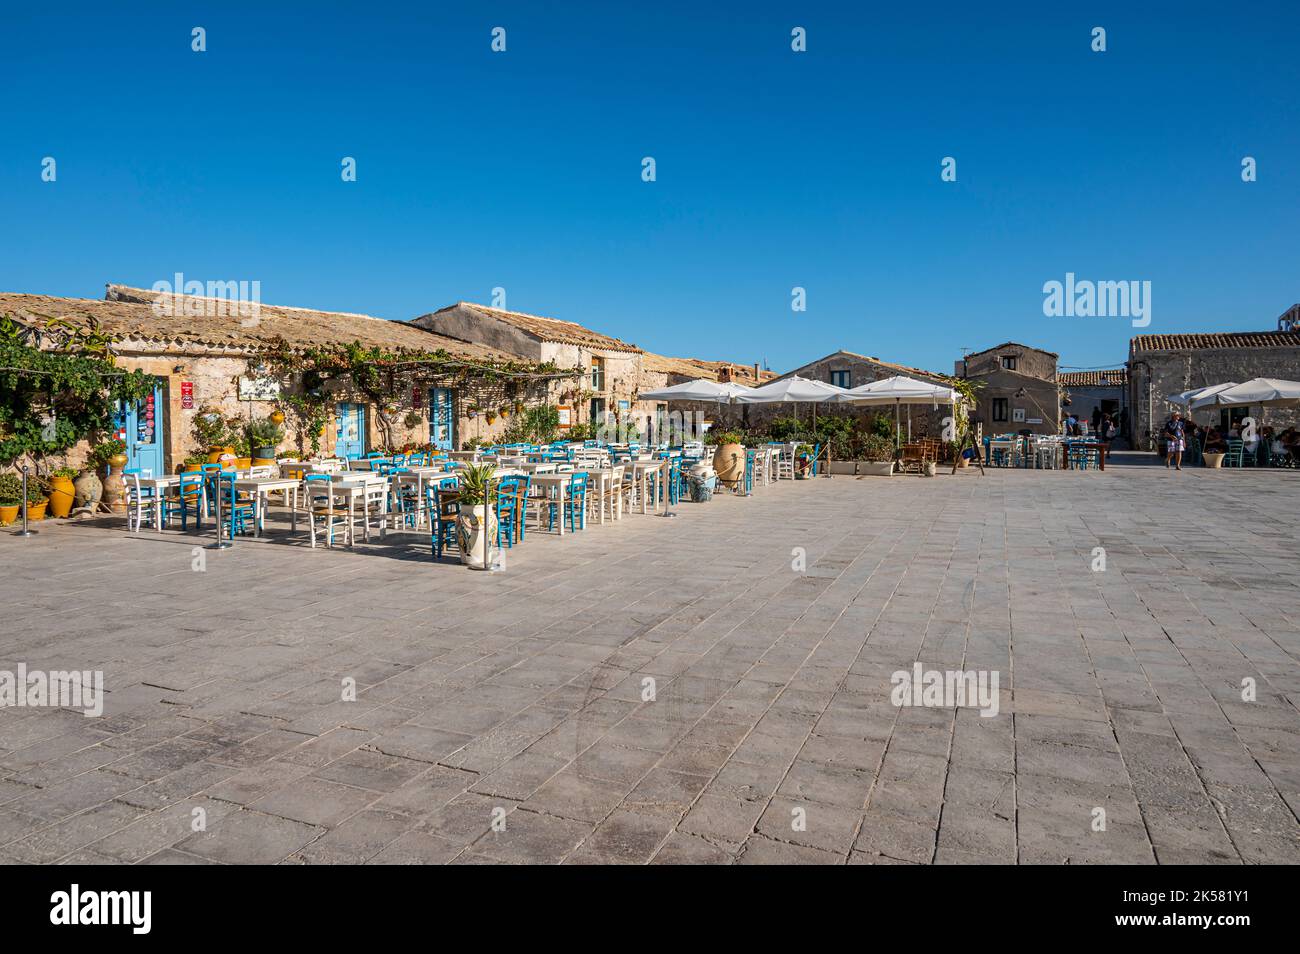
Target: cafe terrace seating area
538 490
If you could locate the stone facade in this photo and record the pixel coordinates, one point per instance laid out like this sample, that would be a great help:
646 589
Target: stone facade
1105 391
1164 365
1019 392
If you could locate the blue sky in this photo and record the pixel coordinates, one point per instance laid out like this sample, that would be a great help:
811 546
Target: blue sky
774 169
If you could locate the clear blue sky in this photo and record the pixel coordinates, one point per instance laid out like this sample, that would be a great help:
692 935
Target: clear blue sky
775 169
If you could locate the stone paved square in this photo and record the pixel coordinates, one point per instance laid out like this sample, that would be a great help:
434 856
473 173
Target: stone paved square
503 718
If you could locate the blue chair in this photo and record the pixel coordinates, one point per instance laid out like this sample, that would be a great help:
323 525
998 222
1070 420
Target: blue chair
1233 457
575 504
189 494
512 493
442 503
236 512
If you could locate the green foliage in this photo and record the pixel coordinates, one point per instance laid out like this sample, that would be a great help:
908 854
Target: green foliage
211 429
11 490
104 450
264 432
477 484
876 448
716 437
68 472
534 425
77 384
307 414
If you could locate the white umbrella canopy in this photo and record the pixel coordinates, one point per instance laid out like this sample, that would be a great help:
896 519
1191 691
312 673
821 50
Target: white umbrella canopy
1265 392
899 389
1185 398
701 389
791 390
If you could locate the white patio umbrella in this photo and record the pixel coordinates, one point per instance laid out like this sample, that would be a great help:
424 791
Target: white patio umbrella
701 389
1266 392
1185 398
897 391
793 390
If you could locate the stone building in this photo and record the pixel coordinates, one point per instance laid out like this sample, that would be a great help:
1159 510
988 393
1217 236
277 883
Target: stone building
207 354
1020 388
1103 391
611 370
1163 365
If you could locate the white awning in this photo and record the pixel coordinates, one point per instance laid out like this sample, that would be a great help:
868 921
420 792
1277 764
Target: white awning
701 389
899 389
791 390
1263 392
1185 398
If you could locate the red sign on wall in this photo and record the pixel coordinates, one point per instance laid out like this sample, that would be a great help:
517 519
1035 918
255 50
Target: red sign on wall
417 398
187 394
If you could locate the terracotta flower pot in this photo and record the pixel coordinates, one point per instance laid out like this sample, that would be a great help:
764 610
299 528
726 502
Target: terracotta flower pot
36 511
729 462
8 514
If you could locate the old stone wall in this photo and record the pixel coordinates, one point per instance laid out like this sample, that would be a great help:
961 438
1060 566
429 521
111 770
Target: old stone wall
1162 373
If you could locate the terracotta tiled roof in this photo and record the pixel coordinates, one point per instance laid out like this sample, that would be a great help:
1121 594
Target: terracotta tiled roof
903 369
128 315
548 329
1230 339
1093 379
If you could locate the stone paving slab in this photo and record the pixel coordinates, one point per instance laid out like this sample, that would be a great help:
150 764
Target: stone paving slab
712 689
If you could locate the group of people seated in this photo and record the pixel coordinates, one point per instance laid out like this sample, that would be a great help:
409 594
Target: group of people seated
1180 434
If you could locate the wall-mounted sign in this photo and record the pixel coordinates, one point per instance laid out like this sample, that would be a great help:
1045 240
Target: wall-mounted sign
566 416
1018 414
1034 420
258 389
624 405
417 398
187 395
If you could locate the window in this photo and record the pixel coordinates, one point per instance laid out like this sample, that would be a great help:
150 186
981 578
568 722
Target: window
841 378
597 374
1009 362
598 411
999 409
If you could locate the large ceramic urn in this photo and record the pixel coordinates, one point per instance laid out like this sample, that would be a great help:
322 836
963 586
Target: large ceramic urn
729 462
89 489
476 528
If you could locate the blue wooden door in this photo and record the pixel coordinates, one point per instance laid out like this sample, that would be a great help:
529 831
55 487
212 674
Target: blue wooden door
442 423
140 425
350 438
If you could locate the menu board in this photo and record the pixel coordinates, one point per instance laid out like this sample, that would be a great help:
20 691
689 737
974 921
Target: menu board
144 419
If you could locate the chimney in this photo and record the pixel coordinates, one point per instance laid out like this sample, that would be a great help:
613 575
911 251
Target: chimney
756 381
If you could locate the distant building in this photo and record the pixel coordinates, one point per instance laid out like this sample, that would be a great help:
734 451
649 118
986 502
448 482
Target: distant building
1020 388
1161 365
1105 392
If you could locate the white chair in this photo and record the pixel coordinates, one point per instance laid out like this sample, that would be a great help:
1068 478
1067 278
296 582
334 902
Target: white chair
140 504
323 504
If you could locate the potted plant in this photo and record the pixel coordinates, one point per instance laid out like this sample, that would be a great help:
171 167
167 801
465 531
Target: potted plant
213 431
36 500
1213 459
476 524
878 452
264 436
728 456
192 464
412 420
62 491
11 498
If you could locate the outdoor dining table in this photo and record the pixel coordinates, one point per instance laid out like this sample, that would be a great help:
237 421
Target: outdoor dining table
259 487
643 471
159 486
353 485
1100 446
555 486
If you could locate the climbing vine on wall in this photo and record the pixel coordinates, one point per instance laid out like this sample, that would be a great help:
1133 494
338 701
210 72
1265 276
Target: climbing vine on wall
53 397
387 379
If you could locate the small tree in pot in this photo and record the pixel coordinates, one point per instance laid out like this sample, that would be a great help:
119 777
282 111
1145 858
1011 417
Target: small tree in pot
476 525
878 452
264 436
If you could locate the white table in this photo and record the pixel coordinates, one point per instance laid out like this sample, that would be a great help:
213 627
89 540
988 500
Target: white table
642 471
159 486
354 485
259 487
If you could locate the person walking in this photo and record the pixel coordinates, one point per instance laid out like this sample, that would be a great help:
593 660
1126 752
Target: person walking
1175 440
